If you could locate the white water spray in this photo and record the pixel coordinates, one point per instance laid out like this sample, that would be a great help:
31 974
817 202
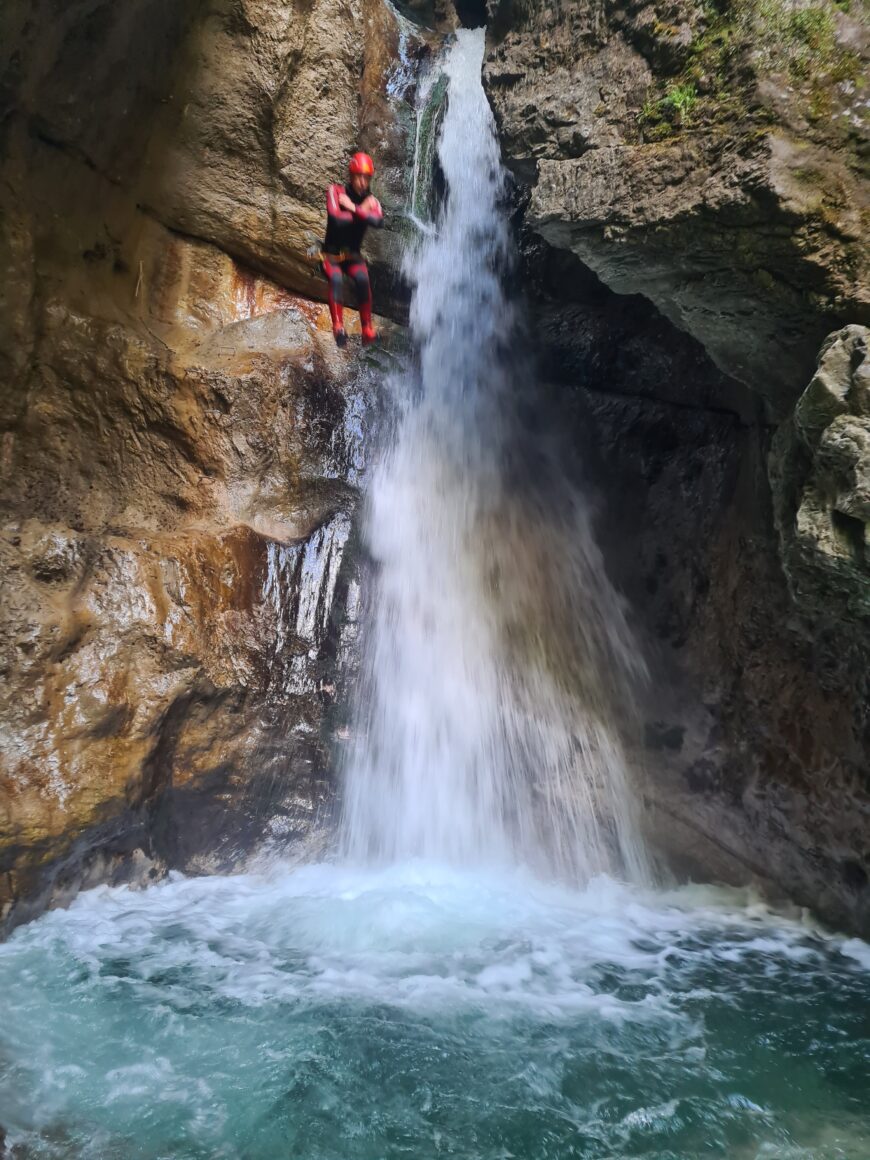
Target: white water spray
498 655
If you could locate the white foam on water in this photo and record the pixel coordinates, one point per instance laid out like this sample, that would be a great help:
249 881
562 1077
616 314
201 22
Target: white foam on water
858 950
186 1007
398 929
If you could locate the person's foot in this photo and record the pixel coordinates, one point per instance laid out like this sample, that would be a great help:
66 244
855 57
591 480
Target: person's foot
340 338
369 335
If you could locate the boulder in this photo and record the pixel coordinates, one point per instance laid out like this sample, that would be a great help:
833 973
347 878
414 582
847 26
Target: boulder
820 467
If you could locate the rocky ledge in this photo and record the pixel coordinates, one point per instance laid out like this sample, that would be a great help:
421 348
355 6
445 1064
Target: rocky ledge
708 156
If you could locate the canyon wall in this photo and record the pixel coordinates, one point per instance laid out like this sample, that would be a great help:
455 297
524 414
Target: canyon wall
693 198
181 444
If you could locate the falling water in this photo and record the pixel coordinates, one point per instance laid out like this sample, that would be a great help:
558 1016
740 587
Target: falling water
499 660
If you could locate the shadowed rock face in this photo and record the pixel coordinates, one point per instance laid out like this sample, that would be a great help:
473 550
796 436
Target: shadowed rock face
705 163
755 721
181 443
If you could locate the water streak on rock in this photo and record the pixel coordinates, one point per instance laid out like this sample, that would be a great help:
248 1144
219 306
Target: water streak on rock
300 588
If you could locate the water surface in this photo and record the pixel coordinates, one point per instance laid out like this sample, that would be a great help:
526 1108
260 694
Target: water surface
332 1013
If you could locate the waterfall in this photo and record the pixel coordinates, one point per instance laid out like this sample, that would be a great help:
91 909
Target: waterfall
497 660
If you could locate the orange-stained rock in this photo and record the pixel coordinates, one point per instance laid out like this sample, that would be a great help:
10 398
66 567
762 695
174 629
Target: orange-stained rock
179 474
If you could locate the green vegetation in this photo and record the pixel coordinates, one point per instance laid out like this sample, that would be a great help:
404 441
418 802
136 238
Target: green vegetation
680 98
671 111
801 38
426 144
733 44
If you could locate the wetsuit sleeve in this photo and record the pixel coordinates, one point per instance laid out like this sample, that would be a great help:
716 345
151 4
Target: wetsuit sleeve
373 215
333 208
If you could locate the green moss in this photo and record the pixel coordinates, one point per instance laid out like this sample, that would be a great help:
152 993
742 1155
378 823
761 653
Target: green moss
813 26
808 36
427 140
670 112
735 42
803 41
820 104
665 31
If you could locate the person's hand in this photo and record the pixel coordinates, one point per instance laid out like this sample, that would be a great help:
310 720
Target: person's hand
371 205
345 202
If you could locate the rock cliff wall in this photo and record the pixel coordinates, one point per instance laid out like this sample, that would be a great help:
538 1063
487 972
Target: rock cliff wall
694 213
710 156
181 444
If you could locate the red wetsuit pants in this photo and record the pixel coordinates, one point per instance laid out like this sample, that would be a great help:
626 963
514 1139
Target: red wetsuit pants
336 267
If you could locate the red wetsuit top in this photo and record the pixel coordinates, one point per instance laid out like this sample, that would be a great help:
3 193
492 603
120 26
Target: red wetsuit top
345 230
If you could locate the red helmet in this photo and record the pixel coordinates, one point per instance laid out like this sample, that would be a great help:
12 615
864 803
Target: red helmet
362 163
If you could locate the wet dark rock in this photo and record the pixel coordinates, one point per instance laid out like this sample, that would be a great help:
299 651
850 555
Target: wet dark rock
662 735
754 757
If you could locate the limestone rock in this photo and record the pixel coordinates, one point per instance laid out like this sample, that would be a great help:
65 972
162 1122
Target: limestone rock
838 386
180 442
707 163
709 160
226 123
753 762
174 574
820 467
844 459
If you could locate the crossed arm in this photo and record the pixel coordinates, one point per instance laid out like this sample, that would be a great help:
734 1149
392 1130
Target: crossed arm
340 207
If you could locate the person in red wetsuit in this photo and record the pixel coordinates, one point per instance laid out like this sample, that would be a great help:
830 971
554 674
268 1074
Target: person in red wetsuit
350 210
